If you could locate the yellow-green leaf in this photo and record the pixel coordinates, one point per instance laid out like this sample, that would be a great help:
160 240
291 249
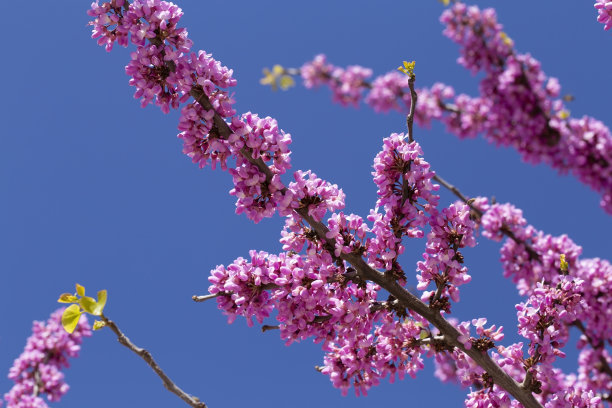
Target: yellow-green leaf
268 77
80 290
277 70
505 39
88 304
71 317
564 266
286 82
98 324
423 334
100 303
408 68
67 298
91 306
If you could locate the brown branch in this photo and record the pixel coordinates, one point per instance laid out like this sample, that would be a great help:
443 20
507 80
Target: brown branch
413 102
38 384
148 358
204 298
450 333
413 303
456 192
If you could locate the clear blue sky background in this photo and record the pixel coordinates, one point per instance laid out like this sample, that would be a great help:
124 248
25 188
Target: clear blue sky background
95 189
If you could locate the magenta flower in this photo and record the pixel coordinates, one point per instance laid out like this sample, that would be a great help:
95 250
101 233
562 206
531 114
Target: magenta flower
604 11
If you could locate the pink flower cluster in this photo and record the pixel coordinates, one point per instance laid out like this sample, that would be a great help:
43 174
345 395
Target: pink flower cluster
534 256
544 317
557 390
457 367
386 92
313 297
407 196
484 46
604 11
37 371
165 72
257 196
451 229
346 84
556 300
318 197
522 111
392 350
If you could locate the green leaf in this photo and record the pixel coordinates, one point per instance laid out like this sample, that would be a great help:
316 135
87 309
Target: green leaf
91 306
286 82
71 317
564 266
88 304
80 290
101 302
67 298
278 70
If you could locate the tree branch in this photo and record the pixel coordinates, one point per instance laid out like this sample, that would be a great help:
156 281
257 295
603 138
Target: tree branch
413 102
204 298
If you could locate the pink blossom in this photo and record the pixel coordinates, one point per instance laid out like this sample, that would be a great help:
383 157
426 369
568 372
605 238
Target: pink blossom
604 11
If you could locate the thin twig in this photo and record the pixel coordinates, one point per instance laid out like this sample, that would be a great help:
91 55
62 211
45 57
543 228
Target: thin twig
413 101
148 358
456 192
204 298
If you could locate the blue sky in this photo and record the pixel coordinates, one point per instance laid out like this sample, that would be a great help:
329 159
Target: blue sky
96 190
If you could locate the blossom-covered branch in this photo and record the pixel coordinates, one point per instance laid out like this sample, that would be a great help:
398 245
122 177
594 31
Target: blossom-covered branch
518 104
37 371
543 253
